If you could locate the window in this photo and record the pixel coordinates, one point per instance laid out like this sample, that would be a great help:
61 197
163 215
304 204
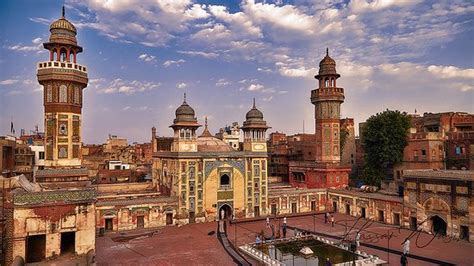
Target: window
49 94
77 94
224 180
62 152
41 155
423 152
63 94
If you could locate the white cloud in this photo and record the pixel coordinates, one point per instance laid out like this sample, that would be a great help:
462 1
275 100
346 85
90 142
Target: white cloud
199 53
169 63
147 58
36 47
8 81
223 83
124 86
264 70
446 72
286 17
255 87
181 85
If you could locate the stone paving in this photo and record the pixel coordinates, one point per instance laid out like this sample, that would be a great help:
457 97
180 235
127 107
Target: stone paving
191 244
186 245
451 251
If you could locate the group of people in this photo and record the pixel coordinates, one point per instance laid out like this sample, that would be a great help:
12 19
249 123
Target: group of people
330 218
327 217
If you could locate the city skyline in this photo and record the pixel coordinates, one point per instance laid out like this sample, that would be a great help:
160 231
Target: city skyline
267 51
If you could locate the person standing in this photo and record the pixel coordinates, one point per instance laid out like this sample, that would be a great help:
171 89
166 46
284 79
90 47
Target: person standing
284 230
403 260
332 220
406 247
268 221
326 218
357 240
284 220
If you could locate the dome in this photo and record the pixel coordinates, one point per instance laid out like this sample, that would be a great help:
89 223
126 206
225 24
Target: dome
62 24
254 114
327 66
185 113
212 144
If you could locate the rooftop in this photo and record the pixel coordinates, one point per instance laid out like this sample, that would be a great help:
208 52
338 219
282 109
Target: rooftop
440 174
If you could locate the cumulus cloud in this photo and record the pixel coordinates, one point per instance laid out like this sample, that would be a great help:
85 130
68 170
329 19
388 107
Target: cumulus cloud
147 58
36 47
255 87
177 63
223 83
127 87
447 72
181 85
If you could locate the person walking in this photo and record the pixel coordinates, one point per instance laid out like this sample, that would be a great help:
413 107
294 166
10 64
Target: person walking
332 220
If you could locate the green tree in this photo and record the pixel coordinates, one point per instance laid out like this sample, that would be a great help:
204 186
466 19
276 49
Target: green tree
385 137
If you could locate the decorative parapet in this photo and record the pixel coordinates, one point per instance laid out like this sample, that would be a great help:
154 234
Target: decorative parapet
51 197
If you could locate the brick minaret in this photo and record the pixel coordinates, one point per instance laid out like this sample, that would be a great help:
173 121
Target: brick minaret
327 99
63 81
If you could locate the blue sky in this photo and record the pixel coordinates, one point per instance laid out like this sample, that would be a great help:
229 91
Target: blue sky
143 55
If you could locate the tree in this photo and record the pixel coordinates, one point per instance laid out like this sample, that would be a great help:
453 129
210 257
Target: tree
385 137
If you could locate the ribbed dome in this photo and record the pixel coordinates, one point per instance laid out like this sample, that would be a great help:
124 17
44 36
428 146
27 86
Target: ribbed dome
185 113
212 144
254 114
327 66
63 24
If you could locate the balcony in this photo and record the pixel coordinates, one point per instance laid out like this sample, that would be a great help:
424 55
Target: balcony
61 65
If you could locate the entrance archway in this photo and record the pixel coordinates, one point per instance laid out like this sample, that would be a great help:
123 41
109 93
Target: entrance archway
439 226
227 212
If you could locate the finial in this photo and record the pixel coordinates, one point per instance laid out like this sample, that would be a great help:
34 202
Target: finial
327 51
64 12
254 103
184 101
205 122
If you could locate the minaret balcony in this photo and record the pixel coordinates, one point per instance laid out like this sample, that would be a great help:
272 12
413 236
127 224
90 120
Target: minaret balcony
56 70
327 94
62 65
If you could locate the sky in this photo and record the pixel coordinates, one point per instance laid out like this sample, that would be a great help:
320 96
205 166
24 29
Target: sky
142 56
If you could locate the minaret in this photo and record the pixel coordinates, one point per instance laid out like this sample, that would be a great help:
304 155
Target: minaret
327 99
63 81
184 125
255 128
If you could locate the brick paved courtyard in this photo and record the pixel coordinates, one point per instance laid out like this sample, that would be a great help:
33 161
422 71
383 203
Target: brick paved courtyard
191 244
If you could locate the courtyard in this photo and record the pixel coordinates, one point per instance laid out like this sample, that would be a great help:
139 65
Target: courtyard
195 244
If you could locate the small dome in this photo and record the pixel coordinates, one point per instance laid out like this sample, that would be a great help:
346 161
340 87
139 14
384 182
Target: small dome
185 113
63 24
327 66
254 114
212 144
